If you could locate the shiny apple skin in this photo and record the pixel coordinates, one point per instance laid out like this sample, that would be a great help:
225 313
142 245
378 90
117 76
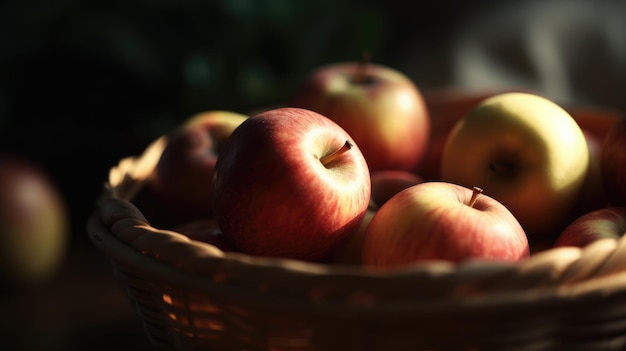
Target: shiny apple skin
432 221
384 111
607 222
525 151
274 197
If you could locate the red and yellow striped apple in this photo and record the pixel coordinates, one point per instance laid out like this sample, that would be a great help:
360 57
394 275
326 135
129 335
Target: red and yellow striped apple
291 183
607 222
380 107
442 221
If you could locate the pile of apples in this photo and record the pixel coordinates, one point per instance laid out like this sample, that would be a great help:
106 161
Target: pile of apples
357 169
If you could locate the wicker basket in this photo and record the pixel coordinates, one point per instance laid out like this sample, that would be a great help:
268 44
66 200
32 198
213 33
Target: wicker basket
192 296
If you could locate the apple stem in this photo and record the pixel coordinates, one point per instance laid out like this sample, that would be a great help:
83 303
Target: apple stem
361 73
332 156
475 192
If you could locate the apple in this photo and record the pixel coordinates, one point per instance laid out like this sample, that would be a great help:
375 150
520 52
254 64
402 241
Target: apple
290 183
380 107
181 182
593 195
350 252
613 159
442 221
607 222
598 121
430 166
525 151
387 183
219 123
446 107
34 222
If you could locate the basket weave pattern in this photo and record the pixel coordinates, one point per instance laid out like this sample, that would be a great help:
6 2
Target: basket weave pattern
192 296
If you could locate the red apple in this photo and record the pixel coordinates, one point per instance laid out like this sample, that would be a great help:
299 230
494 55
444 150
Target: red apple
608 222
292 183
380 107
442 221
387 183
34 222
613 161
181 183
351 251
593 194
598 121
430 167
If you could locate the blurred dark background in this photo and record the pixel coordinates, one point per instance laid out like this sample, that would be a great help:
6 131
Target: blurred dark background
83 84
86 83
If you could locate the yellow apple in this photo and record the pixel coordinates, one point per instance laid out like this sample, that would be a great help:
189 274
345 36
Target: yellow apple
525 151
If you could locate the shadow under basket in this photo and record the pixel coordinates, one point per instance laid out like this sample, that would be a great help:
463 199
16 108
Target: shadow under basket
192 296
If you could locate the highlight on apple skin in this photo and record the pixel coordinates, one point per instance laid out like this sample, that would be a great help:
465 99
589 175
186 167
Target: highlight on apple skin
525 151
607 222
442 221
380 107
290 183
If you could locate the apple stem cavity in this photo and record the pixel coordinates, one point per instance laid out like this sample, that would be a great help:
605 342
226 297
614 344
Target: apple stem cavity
503 167
360 77
332 156
476 191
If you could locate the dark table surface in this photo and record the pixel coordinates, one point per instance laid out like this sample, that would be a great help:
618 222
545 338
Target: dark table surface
81 308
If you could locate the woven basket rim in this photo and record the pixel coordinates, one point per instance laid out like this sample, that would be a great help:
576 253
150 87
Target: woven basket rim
121 231
468 295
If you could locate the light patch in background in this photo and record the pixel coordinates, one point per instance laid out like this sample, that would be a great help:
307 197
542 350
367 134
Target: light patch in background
571 53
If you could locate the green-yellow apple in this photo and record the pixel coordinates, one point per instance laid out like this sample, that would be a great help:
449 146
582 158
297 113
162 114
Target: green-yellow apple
445 108
613 161
380 107
291 183
607 222
442 221
386 183
181 183
525 151
34 223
